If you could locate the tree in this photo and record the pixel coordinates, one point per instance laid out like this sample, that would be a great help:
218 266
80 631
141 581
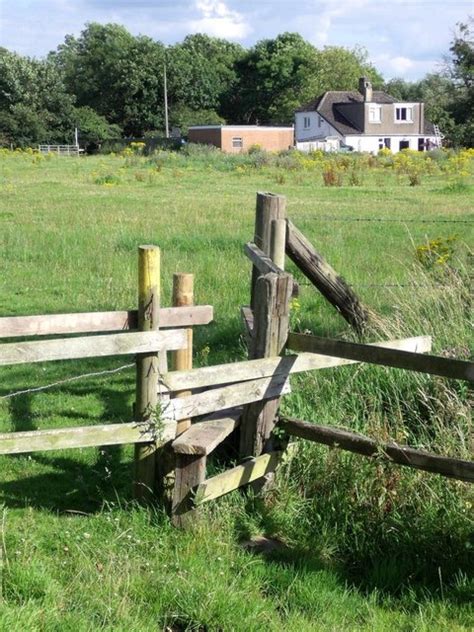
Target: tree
116 74
278 75
460 69
202 72
34 103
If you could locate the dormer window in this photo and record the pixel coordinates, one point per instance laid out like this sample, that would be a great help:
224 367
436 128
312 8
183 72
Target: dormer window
375 113
403 114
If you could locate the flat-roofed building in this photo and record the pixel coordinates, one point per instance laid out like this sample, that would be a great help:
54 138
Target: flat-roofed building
240 138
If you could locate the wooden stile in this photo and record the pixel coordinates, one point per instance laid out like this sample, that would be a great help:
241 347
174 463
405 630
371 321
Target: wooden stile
434 365
147 366
324 278
95 322
360 444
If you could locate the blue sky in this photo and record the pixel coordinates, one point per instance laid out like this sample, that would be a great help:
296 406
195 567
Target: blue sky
404 38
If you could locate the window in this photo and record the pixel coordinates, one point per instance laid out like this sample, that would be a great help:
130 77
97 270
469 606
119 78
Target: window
375 114
237 142
320 121
404 144
385 143
404 114
307 122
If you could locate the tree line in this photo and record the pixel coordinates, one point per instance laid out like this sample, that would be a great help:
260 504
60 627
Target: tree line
109 83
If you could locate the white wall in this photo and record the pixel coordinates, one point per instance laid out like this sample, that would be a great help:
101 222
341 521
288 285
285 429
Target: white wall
318 127
371 143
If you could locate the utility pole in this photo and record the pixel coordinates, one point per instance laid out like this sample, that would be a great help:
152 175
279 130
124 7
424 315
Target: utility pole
165 86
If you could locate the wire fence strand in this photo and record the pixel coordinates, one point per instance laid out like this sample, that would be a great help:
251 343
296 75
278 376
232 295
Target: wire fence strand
67 380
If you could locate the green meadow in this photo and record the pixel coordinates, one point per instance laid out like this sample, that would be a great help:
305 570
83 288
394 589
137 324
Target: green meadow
363 545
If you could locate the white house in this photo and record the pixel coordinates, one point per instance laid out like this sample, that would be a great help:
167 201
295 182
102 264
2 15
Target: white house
367 120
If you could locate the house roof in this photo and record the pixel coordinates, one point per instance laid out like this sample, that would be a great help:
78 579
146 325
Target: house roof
327 105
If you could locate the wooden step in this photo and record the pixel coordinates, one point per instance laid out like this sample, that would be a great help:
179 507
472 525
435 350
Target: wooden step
203 437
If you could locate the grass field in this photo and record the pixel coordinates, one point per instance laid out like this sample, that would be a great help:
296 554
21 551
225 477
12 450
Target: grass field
365 546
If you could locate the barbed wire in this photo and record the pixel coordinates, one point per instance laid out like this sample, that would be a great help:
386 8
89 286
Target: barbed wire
67 380
335 218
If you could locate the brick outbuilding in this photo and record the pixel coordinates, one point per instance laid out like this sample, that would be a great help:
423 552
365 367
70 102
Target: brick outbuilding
239 138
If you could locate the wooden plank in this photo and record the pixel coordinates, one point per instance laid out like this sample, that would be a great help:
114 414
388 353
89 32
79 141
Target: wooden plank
90 322
260 260
91 346
203 437
251 470
220 374
271 313
147 371
226 397
399 359
360 444
85 437
324 278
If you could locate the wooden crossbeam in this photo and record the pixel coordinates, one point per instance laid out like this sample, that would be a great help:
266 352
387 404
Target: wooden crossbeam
86 437
252 369
228 481
91 346
260 260
397 358
89 322
226 397
360 444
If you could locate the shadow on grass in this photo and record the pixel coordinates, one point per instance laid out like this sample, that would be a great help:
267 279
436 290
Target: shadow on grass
74 484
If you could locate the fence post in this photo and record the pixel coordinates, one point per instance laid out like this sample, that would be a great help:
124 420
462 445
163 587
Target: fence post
147 366
271 317
182 360
269 207
278 242
190 470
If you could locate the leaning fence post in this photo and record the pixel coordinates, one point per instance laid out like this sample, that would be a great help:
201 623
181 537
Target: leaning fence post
269 207
271 318
147 366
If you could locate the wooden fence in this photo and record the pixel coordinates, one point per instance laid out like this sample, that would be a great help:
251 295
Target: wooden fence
182 415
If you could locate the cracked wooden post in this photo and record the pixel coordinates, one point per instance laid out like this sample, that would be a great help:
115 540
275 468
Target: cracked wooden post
147 367
269 207
271 322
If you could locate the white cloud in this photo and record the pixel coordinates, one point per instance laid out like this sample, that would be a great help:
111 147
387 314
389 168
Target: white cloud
219 21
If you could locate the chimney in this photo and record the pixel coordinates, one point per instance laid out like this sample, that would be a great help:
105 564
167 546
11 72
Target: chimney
365 88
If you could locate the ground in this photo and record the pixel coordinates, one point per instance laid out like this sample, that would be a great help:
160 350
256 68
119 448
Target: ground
364 546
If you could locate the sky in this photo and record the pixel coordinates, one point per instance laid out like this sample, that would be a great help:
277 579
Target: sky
404 38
